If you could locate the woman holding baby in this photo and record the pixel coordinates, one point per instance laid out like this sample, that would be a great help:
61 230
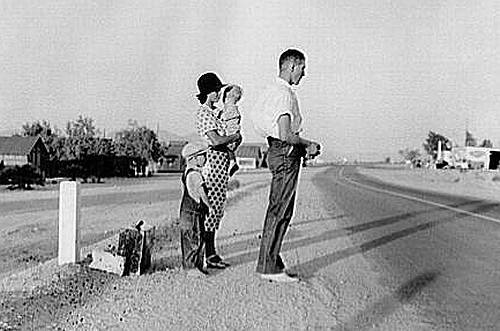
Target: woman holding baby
212 128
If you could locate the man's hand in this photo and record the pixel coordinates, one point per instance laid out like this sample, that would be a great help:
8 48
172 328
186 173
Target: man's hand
312 150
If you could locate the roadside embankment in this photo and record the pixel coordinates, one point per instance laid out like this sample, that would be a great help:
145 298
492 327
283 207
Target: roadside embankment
475 184
33 296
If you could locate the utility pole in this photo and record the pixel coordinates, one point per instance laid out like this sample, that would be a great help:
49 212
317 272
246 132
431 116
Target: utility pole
466 128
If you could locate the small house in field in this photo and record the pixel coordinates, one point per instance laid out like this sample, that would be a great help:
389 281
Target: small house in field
477 157
19 151
251 156
172 161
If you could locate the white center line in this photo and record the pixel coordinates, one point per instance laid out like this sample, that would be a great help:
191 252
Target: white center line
457 210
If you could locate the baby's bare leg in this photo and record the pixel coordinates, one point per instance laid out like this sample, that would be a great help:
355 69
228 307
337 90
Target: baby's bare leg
233 167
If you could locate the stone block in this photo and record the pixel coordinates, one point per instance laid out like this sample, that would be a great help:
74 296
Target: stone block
131 255
136 244
108 261
148 238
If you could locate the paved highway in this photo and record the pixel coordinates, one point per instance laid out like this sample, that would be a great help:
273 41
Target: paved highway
438 253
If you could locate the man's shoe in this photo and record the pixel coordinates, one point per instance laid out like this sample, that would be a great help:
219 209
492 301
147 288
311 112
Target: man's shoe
217 259
214 261
280 278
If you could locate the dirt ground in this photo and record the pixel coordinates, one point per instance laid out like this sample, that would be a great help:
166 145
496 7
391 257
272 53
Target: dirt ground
45 296
30 280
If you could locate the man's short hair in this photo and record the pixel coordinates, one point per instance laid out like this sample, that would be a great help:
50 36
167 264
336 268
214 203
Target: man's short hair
291 55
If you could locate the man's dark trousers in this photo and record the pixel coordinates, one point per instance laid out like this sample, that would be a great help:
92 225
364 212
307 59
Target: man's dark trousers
284 163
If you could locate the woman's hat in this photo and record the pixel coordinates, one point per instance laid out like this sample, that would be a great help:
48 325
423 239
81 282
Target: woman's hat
193 149
209 82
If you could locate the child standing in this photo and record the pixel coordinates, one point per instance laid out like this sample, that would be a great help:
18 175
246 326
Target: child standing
231 116
194 208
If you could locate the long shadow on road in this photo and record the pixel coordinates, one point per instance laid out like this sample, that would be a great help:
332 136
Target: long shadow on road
377 311
309 268
409 290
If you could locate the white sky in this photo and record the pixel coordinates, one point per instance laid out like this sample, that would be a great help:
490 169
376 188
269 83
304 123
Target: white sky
380 74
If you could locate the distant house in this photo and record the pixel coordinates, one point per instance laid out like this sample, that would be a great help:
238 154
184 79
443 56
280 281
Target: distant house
475 157
172 161
251 156
17 150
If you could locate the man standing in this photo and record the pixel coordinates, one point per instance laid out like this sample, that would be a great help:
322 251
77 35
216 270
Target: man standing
277 117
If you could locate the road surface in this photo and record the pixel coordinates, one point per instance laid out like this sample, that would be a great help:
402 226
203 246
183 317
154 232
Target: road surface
439 253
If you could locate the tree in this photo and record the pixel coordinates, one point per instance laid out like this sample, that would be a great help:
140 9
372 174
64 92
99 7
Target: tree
21 177
81 152
138 142
486 143
81 139
469 139
432 141
36 128
412 155
82 127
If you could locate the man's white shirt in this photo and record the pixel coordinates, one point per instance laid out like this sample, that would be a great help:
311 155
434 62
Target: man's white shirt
276 100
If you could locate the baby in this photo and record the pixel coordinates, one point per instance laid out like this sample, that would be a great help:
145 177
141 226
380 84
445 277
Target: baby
230 115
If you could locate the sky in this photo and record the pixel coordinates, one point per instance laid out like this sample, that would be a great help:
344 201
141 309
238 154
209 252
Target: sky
379 75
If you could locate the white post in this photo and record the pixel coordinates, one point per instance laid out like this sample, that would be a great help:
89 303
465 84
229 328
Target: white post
69 222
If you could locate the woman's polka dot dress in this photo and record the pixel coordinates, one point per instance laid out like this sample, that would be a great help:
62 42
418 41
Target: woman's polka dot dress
216 169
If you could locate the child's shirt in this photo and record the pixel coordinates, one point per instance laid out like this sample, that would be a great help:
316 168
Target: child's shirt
231 117
191 202
194 180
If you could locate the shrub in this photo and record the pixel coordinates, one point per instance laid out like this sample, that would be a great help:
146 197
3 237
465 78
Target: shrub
21 177
496 178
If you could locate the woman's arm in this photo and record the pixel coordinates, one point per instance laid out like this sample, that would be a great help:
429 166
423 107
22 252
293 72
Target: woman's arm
217 140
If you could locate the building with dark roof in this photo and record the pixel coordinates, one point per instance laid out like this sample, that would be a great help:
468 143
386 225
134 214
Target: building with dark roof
18 151
251 156
172 161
